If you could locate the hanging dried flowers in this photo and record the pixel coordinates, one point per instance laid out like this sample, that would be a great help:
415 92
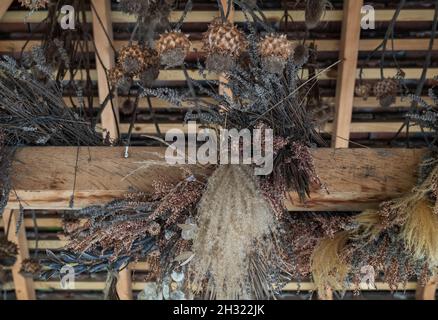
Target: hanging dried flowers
315 10
8 252
30 268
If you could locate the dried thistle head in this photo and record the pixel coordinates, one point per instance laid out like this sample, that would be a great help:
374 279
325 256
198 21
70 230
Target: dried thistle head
172 47
8 252
315 10
30 267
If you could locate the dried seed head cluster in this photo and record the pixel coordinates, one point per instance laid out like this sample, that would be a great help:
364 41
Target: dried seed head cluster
34 4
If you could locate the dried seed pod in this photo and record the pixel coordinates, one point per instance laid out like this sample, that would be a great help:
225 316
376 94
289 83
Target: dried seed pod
275 50
34 4
363 90
152 67
118 79
8 252
154 229
223 42
315 10
128 107
301 54
173 47
30 267
386 91
131 60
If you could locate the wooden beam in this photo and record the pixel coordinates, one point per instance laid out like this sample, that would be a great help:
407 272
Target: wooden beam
24 286
139 285
205 16
348 53
428 291
357 179
124 284
4 6
103 37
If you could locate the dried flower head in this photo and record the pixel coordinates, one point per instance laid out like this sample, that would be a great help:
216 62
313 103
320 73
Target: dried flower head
172 47
34 4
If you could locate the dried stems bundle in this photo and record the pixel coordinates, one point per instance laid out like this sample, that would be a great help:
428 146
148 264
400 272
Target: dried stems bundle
234 221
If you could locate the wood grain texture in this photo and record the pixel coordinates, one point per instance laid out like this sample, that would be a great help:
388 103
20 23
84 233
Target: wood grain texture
4 6
356 179
428 291
24 286
348 54
103 37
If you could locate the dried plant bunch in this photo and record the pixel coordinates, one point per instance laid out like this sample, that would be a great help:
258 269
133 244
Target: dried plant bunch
173 47
314 12
399 239
108 237
34 4
234 221
275 50
386 91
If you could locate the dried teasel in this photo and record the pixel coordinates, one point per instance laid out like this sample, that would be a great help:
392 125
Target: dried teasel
301 54
275 50
8 252
363 90
131 60
315 10
223 43
172 47
30 268
386 91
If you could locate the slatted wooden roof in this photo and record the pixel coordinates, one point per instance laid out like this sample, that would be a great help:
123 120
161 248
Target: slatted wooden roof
357 179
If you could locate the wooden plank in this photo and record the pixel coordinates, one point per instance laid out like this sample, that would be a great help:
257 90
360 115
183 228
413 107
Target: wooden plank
355 127
427 292
16 16
103 36
350 36
139 285
4 6
124 284
24 286
356 179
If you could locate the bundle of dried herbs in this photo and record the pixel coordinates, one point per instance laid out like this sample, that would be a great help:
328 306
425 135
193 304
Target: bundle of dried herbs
400 239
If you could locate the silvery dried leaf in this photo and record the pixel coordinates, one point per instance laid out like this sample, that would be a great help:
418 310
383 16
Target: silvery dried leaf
150 292
177 276
185 257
